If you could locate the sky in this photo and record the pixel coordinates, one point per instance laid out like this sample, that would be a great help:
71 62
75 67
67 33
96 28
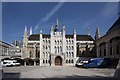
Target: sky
41 15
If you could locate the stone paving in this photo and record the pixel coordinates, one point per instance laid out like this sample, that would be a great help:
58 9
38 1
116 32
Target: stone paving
55 72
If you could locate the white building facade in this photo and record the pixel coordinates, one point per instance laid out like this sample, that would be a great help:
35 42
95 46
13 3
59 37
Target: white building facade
52 49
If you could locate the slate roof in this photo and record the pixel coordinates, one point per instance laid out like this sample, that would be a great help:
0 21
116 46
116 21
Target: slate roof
79 37
34 37
84 38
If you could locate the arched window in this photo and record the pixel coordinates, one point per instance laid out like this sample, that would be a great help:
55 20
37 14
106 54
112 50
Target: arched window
43 47
72 48
46 41
69 60
67 54
72 61
72 42
72 54
55 42
43 61
46 61
30 54
49 41
69 41
66 61
43 54
58 49
43 41
55 49
60 42
46 55
67 47
46 47
66 41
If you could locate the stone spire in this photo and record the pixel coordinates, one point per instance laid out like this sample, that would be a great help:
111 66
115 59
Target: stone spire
25 37
31 30
97 34
25 32
56 27
88 31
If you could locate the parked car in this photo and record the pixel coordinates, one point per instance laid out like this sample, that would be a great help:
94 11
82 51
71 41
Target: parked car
80 64
98 63
10 63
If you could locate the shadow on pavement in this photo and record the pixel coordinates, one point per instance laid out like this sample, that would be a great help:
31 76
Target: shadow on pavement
67 78
10 75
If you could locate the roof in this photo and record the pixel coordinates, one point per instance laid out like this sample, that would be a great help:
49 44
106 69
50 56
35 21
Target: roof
34 37
116 25
46 35
79 37
84 38
69 36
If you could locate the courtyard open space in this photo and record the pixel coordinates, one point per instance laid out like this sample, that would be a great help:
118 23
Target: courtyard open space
55 72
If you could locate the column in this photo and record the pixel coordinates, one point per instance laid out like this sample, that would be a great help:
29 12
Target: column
107 49
97 50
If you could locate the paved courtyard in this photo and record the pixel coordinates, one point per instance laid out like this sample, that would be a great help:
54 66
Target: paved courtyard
54 72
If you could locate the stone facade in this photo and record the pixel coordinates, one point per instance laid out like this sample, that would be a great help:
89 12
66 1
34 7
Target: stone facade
56 48
109 44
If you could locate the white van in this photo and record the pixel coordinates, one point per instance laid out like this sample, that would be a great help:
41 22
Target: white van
10 63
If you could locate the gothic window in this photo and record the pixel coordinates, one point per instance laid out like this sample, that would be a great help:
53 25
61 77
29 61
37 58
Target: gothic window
43 47
46 55
46 41
67 54
55 49
43 54
60 42
72 42
43 41
30 54
72 48
60 49
72 54
69 60
43 61
66 61
67 41
72 61
49 41
55 42
67 47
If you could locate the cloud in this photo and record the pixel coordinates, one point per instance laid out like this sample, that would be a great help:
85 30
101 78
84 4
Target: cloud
49 14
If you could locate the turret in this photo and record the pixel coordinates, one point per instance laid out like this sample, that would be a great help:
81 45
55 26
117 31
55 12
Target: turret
63 30
97 34
25 37
88 31
31 30
56 26
51 30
